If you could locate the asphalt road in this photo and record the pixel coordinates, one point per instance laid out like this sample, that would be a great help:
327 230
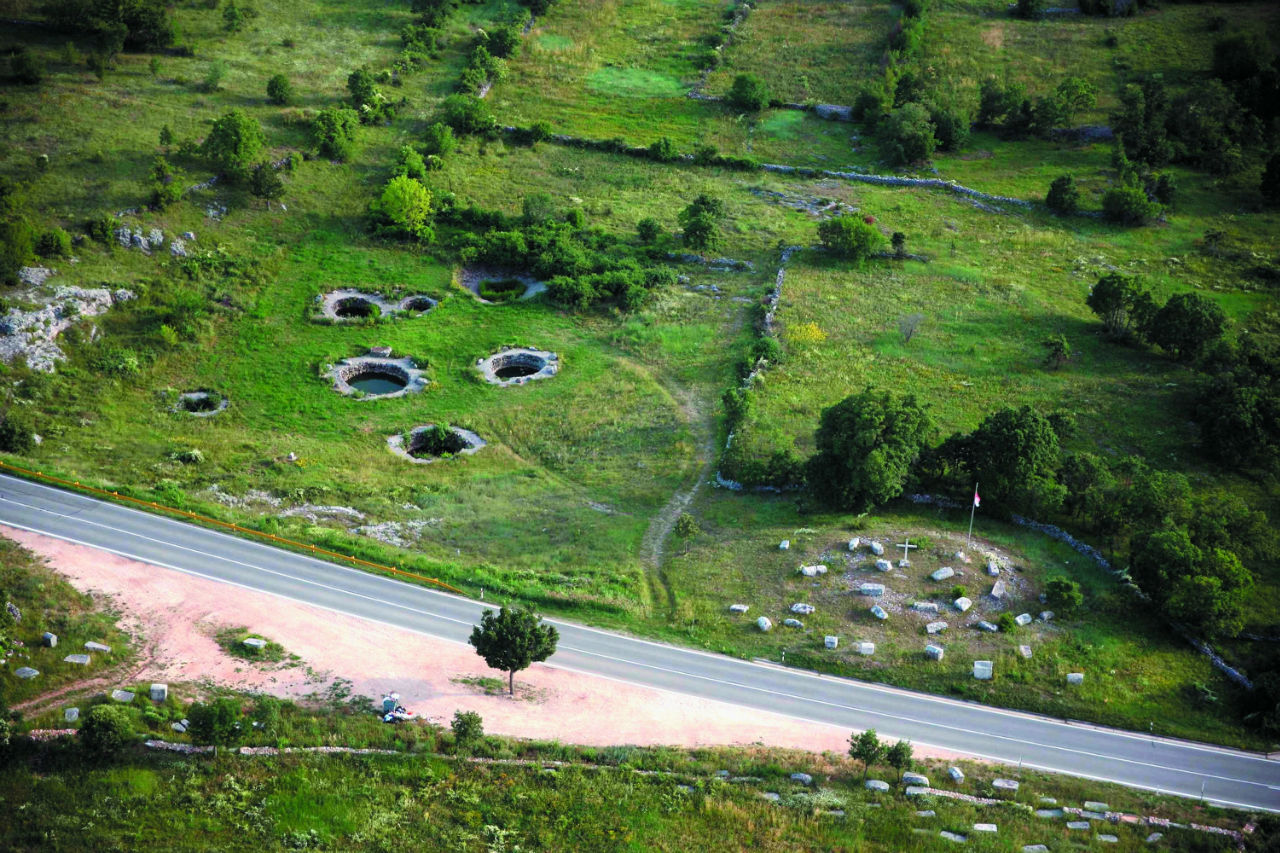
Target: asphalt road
1224 776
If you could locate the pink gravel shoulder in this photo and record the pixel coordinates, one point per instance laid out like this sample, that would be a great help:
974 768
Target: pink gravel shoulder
178 613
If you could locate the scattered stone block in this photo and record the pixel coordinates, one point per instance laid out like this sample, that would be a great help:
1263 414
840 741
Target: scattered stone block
70 715
961 556
49 640
984 827
802 778
1046 615
866 648
990 627
1023 619
962 604
1085 813
1050 813
1109 839
178 727
784 545
904 563
1095 806
793 623
764 624
993 568
813 571
1078 824
91 646
874 590
997 590
915 779
877 785
879 612
772 796
876 548
125 696
25 672
884 566
834 813
943 573
1154 837
935 627
934 652
925 607
255 643
1025 651
802 608
831 642
159 692
855 543
916 791
1004 784
982 670
1049 801
739 608
926 813
1034 848
82 660
956 774
951 836
1075 678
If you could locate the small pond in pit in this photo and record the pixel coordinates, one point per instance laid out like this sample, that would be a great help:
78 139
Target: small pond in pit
514 371
377 383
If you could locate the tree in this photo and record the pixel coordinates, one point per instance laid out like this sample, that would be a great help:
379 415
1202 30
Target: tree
15 433
1063 198
54 243
866 447
25 67
850 237
899 243
265 182
468 729
909 134
166 184
105 730
1063 596
899 757
1240 57
1123 305
866 747
215 723
1187 324
1057 351
334 132
405 204
1129 206
1013 453
512 640
1270 185
279 90
909 325
996 101
664 151
950 125
748 92
701 222
233 143
266 715
439 140
467 114
648 230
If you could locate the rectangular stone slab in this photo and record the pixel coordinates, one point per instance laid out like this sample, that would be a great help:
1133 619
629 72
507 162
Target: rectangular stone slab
83 660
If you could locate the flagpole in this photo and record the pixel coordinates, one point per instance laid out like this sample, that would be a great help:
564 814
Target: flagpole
973 507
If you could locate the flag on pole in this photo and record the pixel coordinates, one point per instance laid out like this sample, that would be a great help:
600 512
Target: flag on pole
977 501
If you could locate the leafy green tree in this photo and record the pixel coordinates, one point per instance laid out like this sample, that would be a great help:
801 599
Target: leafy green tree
1187 324
25 67
467 114
748 92
512 640
899 757
166 184
1063 197
1239 411
265 182
1123 305
439 140
410 164
279 90
1241 56
850 237
405 204
15 432
215 723
266 715
867 445
1057 351
909 134
1063 596
106 730
997 101
1129 206
233 143
950 125
648 230
701 222
334 132
233 19
54 243
1141 124
1014 454
664 151
866 747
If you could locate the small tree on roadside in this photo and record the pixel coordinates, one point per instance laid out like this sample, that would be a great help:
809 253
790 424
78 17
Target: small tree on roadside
279 90
468 729
513 639
105 730
899 757
866 747
215 723
1063 197
748 92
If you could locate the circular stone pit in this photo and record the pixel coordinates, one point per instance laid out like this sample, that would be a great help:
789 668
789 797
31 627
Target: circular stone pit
201 403
476 278
420 441
347 305
516 366
377 376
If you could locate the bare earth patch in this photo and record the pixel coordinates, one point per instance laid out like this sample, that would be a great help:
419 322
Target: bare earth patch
175 612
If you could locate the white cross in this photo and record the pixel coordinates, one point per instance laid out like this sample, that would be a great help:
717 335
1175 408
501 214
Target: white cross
904 546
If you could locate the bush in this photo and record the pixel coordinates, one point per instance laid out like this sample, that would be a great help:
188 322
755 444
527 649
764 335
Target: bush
1063 197
648 230
102 228
467 114
280 90
106 730
1129 206
166 184
265 182
909 134
1006 623
54 243
233 143
410 164
334 132
1186 325
850 237
1063 596
405 205
25 67
951 126
439 140
468 728
1031 10
15 433
663 151
1270 184
748 92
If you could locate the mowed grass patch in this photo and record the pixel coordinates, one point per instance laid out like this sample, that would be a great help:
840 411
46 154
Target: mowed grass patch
634 83
808 49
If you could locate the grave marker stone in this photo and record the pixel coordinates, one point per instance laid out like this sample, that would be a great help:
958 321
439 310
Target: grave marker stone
982 670
830 642
879 612
934 652
943 573
962 604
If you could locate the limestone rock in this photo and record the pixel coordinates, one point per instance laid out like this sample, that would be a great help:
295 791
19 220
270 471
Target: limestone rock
943 573
877 785
91 646
1109 839
1050 813
875 590
70 715
125 696
915 779
997 590
884 566
1095 806
764 624
1075 678
934 652
992 568
962 604
26 672
983 669
831 642
855 543
255 643
916 791
935 627
739 608
49 640
784 545
1078 824
984 827
1046 615
802 778
1005 784
879 612
951 836
876 548
802 608
956 774
984 625
1034 848
925 607
793 623
82 660
1023 619
1154 837
865 648
1025 651
813 571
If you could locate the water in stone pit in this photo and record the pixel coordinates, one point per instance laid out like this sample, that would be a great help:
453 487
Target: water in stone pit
377 383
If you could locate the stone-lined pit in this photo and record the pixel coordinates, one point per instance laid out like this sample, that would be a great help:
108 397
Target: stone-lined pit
201 403
432 442
377 376
349 306
492 285
355 307
518 366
